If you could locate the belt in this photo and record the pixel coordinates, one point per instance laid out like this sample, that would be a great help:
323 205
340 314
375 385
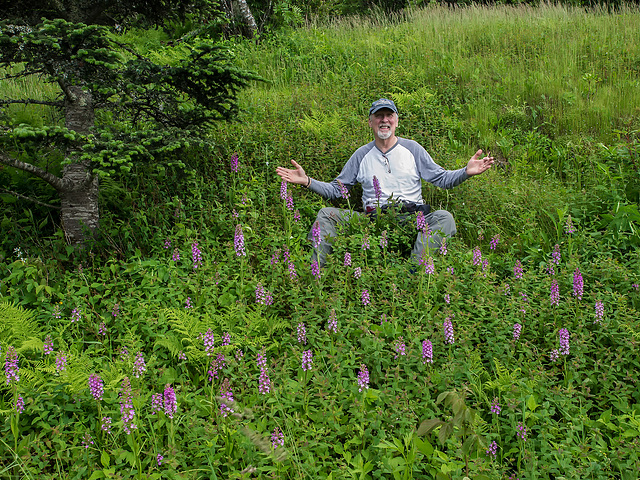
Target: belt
407 207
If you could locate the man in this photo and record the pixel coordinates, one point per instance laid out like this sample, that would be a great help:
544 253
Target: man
388 167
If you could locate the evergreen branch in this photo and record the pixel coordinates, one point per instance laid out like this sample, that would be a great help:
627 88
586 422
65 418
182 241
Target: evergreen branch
30 199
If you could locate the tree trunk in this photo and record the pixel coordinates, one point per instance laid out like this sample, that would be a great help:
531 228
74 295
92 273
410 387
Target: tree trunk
247 17
79 195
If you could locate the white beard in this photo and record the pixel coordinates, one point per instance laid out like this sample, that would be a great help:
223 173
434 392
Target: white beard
383 135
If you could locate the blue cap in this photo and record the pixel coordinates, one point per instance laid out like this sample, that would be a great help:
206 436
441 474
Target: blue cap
382 103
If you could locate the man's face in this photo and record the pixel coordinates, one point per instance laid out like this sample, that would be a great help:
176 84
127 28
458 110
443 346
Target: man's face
383 123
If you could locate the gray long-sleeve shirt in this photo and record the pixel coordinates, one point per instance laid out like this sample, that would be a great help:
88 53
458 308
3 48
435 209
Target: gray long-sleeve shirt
399 172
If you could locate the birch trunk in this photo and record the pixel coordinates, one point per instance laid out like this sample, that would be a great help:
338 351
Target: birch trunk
79 193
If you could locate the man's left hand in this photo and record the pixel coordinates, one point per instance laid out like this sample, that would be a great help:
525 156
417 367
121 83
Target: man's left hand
479 164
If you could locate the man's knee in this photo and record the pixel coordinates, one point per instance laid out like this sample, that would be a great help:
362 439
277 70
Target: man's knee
443 221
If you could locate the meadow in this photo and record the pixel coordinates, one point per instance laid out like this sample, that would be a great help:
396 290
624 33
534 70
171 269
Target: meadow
195 339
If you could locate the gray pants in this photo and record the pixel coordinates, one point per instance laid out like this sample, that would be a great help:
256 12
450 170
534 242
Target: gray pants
441 224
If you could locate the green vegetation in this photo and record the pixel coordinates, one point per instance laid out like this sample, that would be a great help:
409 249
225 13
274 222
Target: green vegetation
526 335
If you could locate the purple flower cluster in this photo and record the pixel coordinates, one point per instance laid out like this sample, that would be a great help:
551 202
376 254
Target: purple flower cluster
96 386
106 424
76 316
384 242
556 257
517 270
344 191
156 403
447 298
196 256
307 360
332 324
47 347
578 284
170 401
315 235
302 333
357 272
427 352
517 329
495 406
263 297
563 339
429 267
448 331
521 431
176 255
555 293
599 312
347 259
485 266
493 449
283 190
234 163
421 222
188 304
19 404
226 339
227 398
554 355
315 269
365 242
366 300
376 188
292 271
61 362
494 242
400 348
238 242
216 365
568 226
87 441
139 365
264 383
277 438
363 378
126 407
208 340
443 247
290 204
477 256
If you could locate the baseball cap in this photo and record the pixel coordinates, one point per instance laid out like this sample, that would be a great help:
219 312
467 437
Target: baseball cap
382 103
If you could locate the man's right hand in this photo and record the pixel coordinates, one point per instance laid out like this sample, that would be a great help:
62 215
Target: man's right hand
297 175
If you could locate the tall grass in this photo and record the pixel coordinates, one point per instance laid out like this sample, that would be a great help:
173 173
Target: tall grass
580 69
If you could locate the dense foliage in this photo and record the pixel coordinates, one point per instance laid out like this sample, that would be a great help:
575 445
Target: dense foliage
194 339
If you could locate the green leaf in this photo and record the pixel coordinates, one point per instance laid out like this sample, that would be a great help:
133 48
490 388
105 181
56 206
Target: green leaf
428 425
424 447
105 459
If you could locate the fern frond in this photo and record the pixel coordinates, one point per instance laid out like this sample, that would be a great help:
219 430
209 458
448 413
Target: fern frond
32 343
505 378
17 324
